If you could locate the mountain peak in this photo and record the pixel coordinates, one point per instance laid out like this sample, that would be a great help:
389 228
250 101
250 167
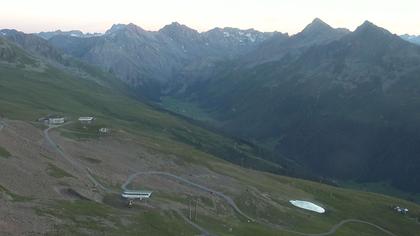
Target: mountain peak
316 26
317 21
369 27
175 26
133 26
367 24
179 31
115 28
118 27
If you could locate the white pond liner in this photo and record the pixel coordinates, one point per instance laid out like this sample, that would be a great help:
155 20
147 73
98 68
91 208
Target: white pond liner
307 206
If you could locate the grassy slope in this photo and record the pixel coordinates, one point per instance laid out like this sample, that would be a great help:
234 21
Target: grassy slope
340 203
383 188
370 128
193 111
4 153
27 93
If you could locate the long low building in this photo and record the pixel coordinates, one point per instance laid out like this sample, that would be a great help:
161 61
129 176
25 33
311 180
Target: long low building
128 194
55 120
86 119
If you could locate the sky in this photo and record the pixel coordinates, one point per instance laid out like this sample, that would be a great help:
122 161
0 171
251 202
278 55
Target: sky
289 16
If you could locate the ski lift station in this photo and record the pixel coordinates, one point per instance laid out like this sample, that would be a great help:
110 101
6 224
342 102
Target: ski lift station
56 121
132 195
86 120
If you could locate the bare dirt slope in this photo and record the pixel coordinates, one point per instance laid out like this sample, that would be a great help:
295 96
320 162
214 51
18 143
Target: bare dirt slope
26 179
35 174
43 193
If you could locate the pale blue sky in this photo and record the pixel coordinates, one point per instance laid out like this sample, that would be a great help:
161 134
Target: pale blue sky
290 16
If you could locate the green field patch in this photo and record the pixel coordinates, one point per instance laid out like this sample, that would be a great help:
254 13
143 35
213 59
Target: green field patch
150 222
102 181
15 197
78 131
82 214
39 125
83 208
90 160
57 172
115 200
79 135
188 109
359 229
92 218
383 188
4 153
46 157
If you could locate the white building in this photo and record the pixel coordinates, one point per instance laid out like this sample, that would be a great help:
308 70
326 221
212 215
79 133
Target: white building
401 210
86 120
104 130
56 121
132 195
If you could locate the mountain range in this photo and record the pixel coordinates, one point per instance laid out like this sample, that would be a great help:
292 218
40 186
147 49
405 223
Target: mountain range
216 124
346 106
165 54
411 38
71 33
341 104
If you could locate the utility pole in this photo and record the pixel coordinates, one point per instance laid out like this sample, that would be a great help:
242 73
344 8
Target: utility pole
189 206
196 203
215 205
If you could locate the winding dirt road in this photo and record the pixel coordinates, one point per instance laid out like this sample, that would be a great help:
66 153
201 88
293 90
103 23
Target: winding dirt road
334 229
2 124
188 182
196 226
74 163
87 171
228 199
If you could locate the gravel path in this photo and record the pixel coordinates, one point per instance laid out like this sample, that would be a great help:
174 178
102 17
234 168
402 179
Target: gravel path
74 163
334 229
188 182
199 228
228 200
2 124
88 172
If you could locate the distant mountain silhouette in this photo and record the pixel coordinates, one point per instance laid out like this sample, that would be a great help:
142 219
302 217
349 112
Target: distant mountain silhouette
343 104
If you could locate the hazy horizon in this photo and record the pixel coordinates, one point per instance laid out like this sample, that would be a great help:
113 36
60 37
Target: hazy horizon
285 16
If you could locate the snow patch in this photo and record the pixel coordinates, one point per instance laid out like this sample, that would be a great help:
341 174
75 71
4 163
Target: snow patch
226 34
307 206
251 37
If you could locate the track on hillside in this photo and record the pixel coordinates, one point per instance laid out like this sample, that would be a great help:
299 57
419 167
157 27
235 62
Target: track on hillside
75 164
88 172
203 231
228 199
337 226
2 124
